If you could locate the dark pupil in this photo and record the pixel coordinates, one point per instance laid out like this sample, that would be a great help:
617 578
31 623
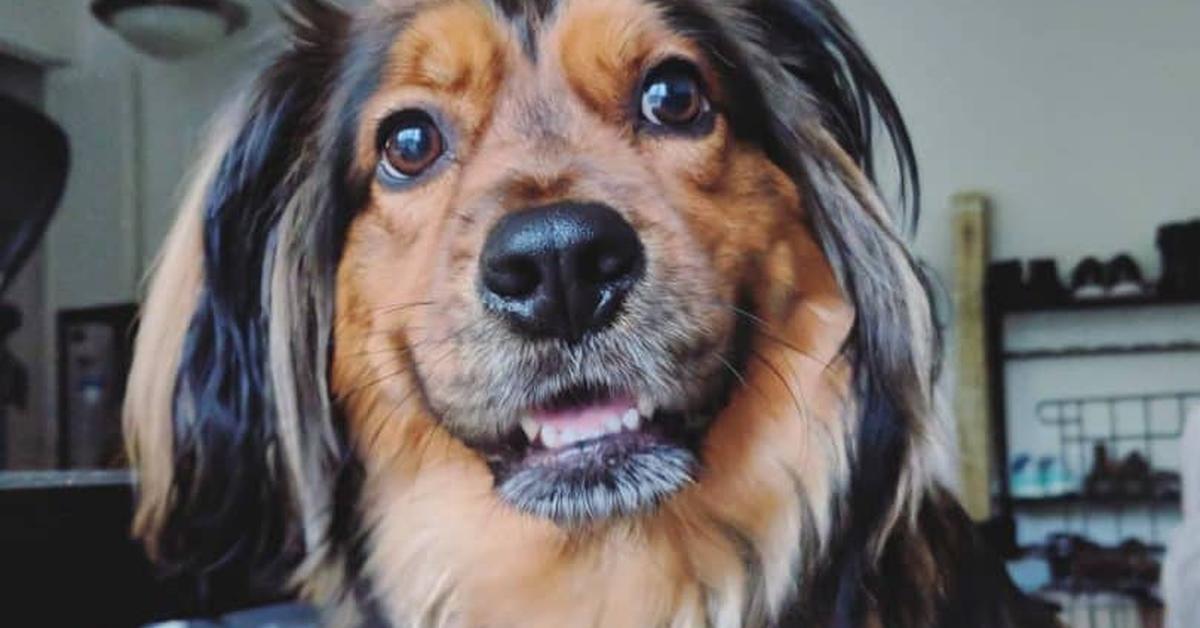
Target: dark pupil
673 98
412 144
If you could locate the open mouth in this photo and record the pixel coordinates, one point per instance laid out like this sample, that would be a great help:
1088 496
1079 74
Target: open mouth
590 454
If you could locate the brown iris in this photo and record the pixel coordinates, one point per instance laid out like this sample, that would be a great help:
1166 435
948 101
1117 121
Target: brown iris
411 144
672 95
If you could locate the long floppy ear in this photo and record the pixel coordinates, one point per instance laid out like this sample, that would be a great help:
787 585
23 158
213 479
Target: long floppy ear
212 415
821 102
821 97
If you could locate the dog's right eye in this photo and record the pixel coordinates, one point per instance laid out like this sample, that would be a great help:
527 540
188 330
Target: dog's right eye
410 143
673 96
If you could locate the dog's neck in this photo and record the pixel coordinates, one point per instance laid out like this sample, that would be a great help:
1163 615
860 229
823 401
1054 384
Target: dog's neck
728 551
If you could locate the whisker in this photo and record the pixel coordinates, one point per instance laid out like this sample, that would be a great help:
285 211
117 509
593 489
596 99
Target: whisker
386 420
358 389
383 309
768 331
399 353
396 307
733 369
796 396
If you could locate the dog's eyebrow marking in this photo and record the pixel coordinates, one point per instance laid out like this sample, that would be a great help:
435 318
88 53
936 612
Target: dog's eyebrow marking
454 48
603 45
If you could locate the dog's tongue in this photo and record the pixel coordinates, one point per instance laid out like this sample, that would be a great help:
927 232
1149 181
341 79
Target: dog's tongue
586 416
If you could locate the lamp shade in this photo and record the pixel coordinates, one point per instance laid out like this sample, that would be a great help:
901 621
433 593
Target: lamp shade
170 29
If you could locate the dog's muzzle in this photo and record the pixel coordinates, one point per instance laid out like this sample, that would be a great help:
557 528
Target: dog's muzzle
559 275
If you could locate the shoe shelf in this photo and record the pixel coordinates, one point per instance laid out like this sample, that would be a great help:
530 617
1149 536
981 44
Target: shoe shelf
1102 350
1082 508
1055 502
1083 305
1003 303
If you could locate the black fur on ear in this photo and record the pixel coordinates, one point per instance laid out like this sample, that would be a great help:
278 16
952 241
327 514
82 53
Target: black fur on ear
828 58
231 523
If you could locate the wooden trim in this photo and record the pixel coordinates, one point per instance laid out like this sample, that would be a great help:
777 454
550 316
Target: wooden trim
972 407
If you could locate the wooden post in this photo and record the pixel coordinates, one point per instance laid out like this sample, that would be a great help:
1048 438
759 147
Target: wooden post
972 397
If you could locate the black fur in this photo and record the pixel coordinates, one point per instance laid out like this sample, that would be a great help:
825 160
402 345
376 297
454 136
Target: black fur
232 531
231 536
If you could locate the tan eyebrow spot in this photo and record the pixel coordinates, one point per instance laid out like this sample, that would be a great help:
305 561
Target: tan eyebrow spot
604 45
453 54
454 48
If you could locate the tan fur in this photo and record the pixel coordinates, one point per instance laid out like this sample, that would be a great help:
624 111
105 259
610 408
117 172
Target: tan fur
166 314
410 339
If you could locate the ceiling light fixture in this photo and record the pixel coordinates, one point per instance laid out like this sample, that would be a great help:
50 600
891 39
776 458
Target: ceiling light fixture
170 29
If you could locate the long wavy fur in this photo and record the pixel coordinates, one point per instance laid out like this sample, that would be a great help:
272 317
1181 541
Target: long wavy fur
242 464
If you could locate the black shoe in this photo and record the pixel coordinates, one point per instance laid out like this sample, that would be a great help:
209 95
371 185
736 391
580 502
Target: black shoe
1101 482
1134 477
1177 272
1045 287
1006 283
1088 280
1191 255
1123 278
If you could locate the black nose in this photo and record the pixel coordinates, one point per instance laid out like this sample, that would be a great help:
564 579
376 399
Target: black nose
560 271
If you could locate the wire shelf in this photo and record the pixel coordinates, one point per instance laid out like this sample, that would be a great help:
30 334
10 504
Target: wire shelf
1122 455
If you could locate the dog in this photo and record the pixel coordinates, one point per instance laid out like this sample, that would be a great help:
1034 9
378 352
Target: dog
556 313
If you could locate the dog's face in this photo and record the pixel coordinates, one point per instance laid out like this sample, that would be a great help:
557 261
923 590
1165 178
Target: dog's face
523 283
564 248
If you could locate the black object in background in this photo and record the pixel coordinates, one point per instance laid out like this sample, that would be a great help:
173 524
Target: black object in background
34 159
1179 246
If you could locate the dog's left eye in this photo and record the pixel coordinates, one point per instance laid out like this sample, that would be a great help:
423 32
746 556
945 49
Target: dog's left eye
672 95
410 143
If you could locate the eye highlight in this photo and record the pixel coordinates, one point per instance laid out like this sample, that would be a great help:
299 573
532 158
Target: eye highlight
409 143
673 96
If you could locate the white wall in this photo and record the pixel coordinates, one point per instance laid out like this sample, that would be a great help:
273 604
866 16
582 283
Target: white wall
1078 117
42 31
134 124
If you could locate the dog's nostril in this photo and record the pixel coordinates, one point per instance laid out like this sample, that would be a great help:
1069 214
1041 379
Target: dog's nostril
607 261
512 277
562 270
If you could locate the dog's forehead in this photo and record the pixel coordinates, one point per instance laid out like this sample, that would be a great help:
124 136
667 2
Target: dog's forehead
466 48
465 56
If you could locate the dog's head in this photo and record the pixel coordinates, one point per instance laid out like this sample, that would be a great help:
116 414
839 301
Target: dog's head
561 263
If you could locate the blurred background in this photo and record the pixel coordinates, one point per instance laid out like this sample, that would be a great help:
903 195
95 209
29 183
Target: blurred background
1060 163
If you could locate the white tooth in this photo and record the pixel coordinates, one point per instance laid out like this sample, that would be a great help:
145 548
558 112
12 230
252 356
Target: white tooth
631 420
612 424
569 436
590 433
550 437
645 408
531 428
